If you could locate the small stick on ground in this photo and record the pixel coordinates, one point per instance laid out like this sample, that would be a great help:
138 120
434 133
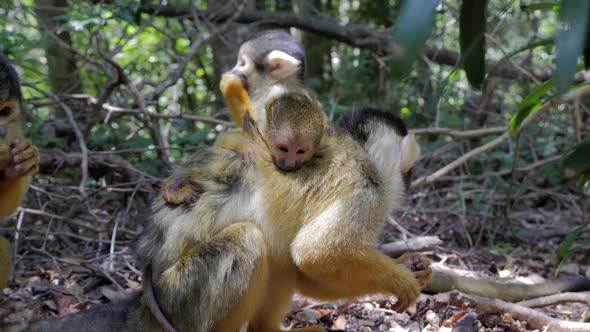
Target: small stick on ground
534 319
556 299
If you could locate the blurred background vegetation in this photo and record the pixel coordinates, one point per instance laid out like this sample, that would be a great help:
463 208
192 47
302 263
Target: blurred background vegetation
117 91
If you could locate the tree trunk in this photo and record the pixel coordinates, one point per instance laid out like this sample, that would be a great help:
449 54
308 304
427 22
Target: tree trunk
61 62
225 46
317 49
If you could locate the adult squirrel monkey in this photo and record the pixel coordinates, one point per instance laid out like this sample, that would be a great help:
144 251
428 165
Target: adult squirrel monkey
260 231
322 212
19 159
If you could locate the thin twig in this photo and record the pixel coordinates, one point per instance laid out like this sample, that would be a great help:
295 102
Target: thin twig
77 131
531 118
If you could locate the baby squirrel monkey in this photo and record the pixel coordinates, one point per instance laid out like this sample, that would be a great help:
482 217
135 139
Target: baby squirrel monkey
19 159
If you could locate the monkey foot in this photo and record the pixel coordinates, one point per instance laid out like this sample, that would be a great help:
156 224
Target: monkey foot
178 191
24 160
418 264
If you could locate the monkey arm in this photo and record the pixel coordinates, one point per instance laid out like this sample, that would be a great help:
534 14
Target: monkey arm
354 273
334 255
236 97
11 194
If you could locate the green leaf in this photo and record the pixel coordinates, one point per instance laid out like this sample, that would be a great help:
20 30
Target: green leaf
570 239
577 161
570 40
530 104
540 6
472 28
412 28
538 43
568 246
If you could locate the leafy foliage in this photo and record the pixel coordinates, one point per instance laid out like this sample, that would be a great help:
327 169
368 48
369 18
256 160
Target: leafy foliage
570 40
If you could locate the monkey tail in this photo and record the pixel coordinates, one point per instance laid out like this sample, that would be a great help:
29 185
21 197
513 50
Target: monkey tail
152 302
385 138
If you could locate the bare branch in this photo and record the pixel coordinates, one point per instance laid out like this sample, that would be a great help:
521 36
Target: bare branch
77 131
458 133
377 41
531 118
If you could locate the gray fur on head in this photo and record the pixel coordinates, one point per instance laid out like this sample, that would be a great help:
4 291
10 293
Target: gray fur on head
277 40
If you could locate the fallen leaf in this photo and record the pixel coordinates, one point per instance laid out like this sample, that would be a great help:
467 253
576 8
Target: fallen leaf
339 324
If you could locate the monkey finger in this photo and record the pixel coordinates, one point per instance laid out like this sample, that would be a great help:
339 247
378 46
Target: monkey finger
19 145
25 154
27 167
423 277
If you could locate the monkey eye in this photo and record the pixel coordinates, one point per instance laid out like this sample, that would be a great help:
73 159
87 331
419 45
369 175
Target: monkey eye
5 111
284 149
300 151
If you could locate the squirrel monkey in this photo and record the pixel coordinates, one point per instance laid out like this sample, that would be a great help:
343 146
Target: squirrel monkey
19 159
321 215
269 64
205 268
258 232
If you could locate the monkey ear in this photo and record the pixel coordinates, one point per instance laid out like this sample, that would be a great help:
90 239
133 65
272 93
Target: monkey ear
281 65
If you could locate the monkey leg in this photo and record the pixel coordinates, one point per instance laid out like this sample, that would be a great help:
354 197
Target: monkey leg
278 295
5 261
329 273
216 286
236 97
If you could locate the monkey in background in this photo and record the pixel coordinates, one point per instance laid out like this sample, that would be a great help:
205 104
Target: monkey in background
269 64
19 159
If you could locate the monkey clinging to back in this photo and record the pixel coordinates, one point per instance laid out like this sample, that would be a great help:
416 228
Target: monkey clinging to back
19 159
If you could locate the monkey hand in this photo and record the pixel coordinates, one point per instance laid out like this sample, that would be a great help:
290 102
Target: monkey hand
23 161
419 265
247 151
177 190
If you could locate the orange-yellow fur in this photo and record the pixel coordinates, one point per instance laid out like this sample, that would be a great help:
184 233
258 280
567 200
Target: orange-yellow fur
11 194
320 223
236 98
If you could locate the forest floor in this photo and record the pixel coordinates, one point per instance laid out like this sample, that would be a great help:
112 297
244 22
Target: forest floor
73 253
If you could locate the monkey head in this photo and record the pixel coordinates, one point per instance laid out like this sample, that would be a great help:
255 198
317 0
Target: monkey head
269 57
294 130
10 103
